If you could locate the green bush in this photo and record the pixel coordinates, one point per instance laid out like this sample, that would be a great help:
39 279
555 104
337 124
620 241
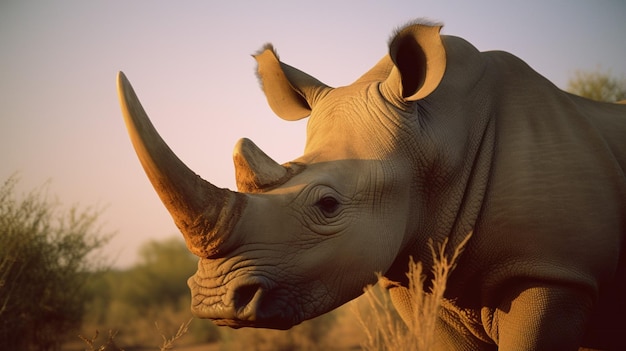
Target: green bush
597 85
43 268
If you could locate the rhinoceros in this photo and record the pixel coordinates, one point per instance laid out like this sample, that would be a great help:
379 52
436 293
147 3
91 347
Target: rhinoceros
436 141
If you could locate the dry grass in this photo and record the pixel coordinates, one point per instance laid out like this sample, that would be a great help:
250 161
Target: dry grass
109 343
168 343
382 324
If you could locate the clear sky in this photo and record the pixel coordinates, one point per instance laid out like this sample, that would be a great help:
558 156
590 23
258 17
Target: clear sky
190 64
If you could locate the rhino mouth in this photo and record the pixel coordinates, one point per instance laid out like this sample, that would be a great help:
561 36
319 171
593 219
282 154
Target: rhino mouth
278 324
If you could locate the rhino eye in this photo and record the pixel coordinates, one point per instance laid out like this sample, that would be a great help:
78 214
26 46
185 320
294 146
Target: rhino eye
328 205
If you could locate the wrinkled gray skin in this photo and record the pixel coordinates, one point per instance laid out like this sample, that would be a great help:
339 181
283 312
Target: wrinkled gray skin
436 141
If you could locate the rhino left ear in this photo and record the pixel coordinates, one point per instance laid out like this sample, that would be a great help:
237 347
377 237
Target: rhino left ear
290 92
419 58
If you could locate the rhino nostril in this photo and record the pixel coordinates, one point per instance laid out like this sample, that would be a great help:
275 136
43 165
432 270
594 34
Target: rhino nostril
245 297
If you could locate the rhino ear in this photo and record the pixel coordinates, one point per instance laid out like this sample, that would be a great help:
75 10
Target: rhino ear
290 92
419 58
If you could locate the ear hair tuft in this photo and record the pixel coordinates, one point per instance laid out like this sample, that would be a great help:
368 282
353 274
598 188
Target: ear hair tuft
267 46
418 21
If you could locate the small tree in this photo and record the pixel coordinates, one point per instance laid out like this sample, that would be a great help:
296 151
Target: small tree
43 267
597 85
160 277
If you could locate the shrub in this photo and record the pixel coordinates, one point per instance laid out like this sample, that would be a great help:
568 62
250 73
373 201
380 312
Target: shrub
43 268
597 85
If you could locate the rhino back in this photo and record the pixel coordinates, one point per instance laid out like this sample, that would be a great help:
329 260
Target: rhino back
557 169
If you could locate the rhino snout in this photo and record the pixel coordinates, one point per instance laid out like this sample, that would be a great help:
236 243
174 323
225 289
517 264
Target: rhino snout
243 302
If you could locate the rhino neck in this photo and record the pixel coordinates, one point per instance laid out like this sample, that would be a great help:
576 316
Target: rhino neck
451 187
455 210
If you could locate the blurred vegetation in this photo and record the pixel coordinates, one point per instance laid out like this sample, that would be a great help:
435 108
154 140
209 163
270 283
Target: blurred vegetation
129 303
154 290
45 259
597 85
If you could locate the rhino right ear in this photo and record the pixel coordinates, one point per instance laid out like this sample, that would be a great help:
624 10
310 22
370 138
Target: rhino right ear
290 92
419 58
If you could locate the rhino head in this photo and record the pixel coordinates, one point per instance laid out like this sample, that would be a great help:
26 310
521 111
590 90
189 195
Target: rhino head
300 239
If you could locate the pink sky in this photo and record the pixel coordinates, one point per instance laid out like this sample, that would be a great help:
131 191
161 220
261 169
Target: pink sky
191 67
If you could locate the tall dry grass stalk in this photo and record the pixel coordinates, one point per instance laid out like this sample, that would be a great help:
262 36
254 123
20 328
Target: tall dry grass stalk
410 323
109 344
168 343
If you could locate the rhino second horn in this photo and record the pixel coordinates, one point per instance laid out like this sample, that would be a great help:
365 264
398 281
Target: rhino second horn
254 170
206 215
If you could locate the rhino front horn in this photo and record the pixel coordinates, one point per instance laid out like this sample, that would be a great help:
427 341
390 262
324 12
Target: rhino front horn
205 214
